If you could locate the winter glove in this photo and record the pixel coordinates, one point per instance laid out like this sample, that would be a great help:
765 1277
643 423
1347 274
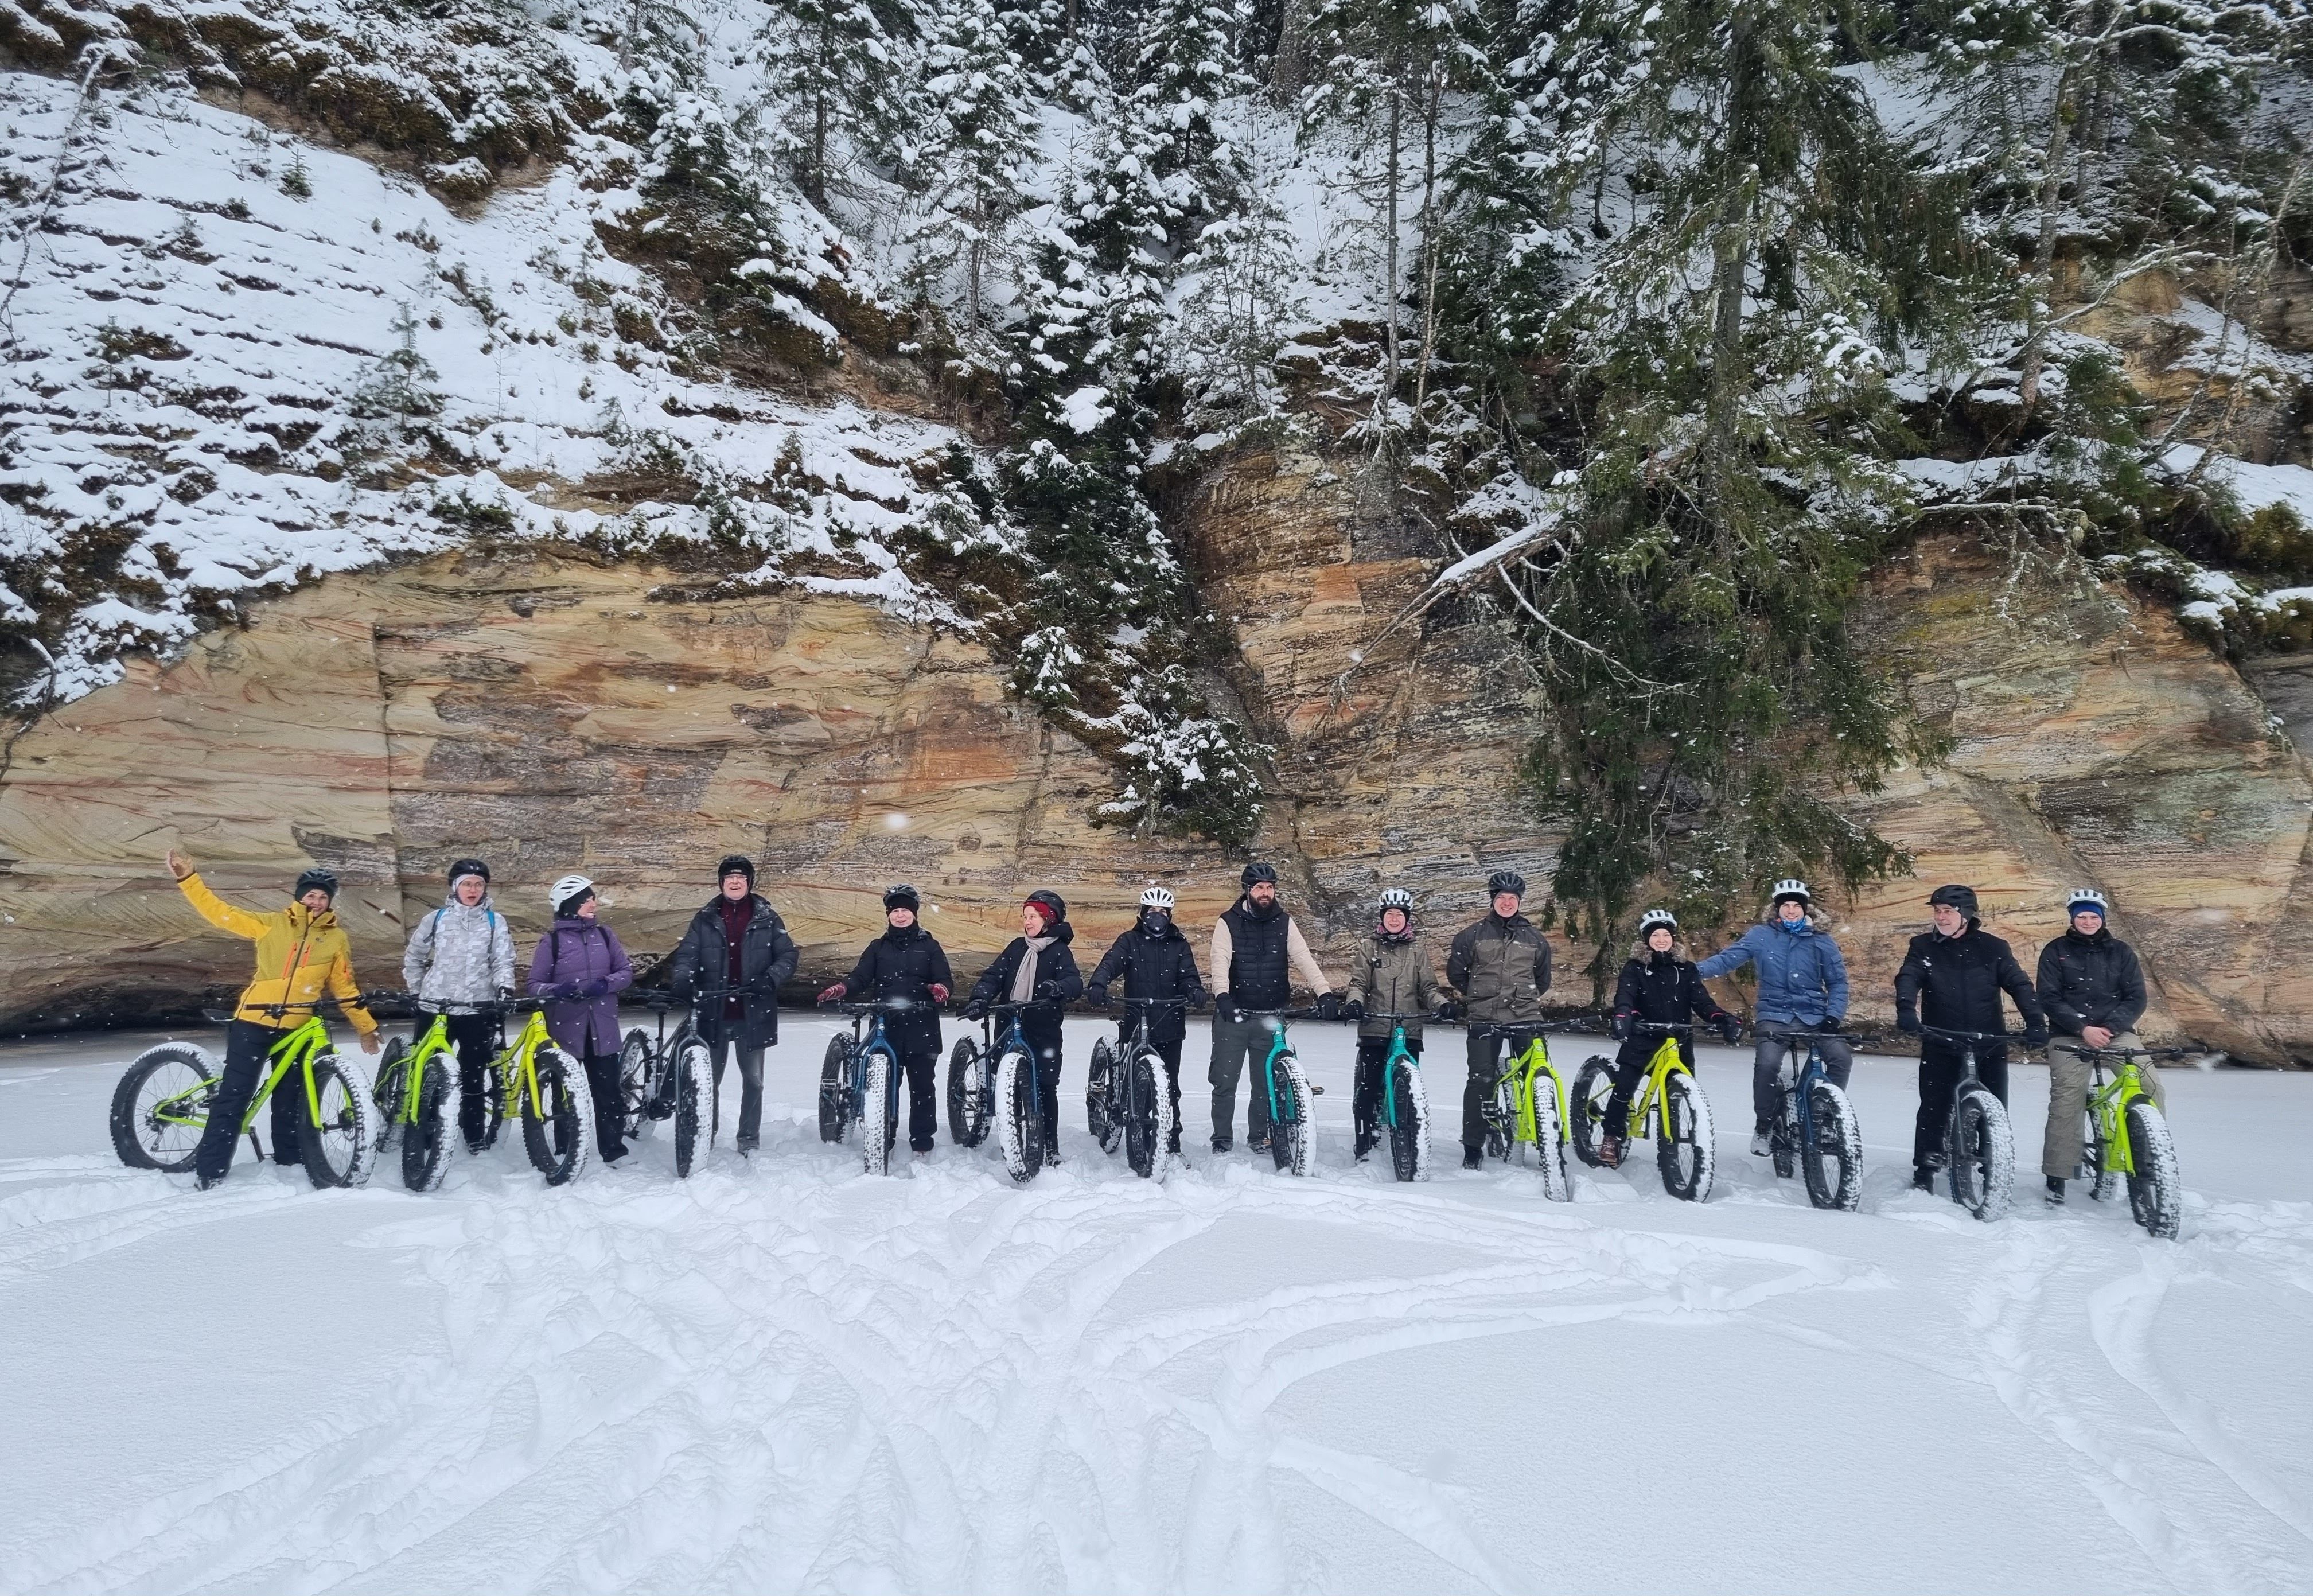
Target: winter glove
1225 1009
975 1010
567 991
1729 1026
1449 1012
1831 1024
1097 995
834 994
1329 1006
1353 1011
598 986
680 991
1619 1029
939 992
1195 997
1907 1018
1048 991
506 994
2036 1034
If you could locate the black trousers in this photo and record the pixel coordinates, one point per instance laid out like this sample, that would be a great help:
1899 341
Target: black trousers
1484 1051
1941 1065
1043 1028
1631 1062
475 1038
920 1065
248 1054
1365 1095
609 1105
1170 1052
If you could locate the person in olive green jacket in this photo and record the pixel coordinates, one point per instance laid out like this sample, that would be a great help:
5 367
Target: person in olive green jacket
302 953
1392 974
1501 967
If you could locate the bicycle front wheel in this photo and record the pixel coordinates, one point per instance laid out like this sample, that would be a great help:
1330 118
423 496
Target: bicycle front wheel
694 1067
1408 1138
557 1120
1019 1123
967 1100
1099 1083
1292 1138
1550 1143
2156 1193
338 1151
1833 1162
161 1107
1684 1150
882 1091
642 1094
1981 1150
426 1141
1148 1116
392 1095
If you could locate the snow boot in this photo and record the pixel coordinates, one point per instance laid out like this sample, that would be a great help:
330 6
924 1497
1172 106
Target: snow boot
1923 1178
2056 1191
1220 1144
1473 1158
1257 1144
1052 1147
1610 1152
1759 1144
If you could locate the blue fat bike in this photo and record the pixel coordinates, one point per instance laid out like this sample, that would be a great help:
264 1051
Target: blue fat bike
859 1079
1291 1099
1127 1098
1395 1107
996 1081
1815 1129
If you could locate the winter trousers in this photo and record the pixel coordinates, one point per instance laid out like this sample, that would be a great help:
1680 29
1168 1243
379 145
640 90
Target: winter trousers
2069 1075
750 1088
920 1065
609 1105
1235 1041
1629 1064
1484 1051
1365 1098
1170 1052
475 1038
1941 1063
1043 1028
1776 1037
247 1055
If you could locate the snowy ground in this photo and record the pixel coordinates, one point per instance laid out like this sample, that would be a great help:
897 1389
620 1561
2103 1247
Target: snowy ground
781 1375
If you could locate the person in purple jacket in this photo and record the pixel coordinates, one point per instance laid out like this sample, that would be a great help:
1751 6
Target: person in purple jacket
580 969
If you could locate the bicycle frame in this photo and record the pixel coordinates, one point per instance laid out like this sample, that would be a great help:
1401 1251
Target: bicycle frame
1810 1070
1013 1036
875 1041
294 1050
1279 1047
517 1067
2108 1103
433 1044
1533 1060
1654 1091
1397 1049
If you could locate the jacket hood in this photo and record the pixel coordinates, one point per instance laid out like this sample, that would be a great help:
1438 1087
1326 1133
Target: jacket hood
903 933
579 922
305 919
2103 938
1060 931
714 905
1809 925
1171 933
1642 954
1384 934
1507 921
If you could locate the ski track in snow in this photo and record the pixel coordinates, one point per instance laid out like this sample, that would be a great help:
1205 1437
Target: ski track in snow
782 1375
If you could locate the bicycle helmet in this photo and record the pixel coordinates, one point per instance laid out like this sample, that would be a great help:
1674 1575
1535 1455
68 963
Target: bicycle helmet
1654 918
901 895
1396 898
2086 897
736 864
567 893
1962 898
1502 881
1256 872
1790 887
1157 897
1048 903
317 877
469 867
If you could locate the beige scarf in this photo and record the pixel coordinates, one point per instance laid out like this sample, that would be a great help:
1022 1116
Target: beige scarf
1024 979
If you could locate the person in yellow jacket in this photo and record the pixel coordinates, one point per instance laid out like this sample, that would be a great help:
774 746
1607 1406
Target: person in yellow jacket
302 952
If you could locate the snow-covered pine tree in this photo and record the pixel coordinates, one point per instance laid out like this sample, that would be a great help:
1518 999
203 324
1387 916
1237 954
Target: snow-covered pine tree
828 67
968 166
1185 67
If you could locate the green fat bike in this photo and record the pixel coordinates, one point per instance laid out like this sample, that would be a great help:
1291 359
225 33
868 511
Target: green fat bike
533 1080
2127 1139
160 1108
1669 1107
1527 1109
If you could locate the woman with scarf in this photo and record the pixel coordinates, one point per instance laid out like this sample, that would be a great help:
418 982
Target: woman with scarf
1394 974
1038 968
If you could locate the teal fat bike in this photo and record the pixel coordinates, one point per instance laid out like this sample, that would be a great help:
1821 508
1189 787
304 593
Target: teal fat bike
1127 1099
1286 1089
1526 1109
1395 1104
2126 1139
160 1108
860 1083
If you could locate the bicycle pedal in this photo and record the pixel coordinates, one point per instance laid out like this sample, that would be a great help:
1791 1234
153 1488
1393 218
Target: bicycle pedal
1315 1091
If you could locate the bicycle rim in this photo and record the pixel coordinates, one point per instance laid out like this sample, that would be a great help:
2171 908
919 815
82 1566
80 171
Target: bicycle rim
1550 1145
692 1069
338 1151
1684 1150
1408 1137
1018 1120
1982 1155
1142 1144
1098 1117
1593 1086
557 1122
176 1075
835 1089
2156 1193
1834 1160
392 1100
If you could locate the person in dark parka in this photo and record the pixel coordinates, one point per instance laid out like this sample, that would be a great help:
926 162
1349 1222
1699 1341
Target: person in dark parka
1157 962
1659 986
907 965
1037 967
731 962
1951 979
2093 989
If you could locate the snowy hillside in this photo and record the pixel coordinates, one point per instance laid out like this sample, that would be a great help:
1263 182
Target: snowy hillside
781 1375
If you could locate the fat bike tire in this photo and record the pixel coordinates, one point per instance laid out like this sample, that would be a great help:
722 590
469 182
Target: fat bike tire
1019 1122
883 1125
1593 1086
426 1144
693 1068
1550 1145
1408 1138
2096 1154
835 1089
1686 1150
557 1126
392 1091
967 1099
1981 1155
1101 1097
154 1074
1292 1138
340 1151
1150 1126
2156 1193
643 1094
1834 1164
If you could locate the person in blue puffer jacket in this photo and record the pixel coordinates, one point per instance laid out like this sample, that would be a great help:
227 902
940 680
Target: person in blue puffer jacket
1802 997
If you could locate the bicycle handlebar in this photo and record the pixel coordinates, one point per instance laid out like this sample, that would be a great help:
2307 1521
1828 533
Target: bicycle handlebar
1154 1003
2103 1053
882 1006
1937 1030
1594 1024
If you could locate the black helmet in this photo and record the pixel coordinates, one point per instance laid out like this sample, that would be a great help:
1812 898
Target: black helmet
326 880
901 896
1257 872
735 864
1502 881
469 867
1962 898
1055 908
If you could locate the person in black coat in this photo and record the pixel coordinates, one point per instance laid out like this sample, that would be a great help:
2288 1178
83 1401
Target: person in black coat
1951 979
730 963
1156 961
2093 987
906 963
1659 986
1037 967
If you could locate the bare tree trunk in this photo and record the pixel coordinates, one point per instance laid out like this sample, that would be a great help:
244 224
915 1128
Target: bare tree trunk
1730 250
1289 74
2040 272
1429 114
1389 295
815 189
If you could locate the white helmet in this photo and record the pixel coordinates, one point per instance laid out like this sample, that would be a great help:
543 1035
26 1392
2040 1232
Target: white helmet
564 890
1791 886
1157 897
1653 918
1396 898
2085 897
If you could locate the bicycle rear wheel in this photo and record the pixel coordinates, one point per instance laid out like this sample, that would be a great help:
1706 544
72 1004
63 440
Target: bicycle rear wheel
1685 1150
426 1141
1833 1163
161 1107
1099 1084
1408 1138
1019 1123
338 1151
881 1089
1550 1142
1147 1129
1292 1139
2156 1193
643 1096
693 1068
1593 1086
967 1100
1981 1151
835 1089
393 1092
558 1123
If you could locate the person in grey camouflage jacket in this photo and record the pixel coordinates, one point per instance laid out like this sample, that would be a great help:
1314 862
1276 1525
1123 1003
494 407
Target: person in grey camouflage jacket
460 956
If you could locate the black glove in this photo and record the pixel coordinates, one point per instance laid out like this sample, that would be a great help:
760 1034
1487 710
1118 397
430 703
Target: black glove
1329 1006
1907 1018
567 991
506 994
1620 1027
1048 990
975 1010
1096 994
1729 1026
680 991
1449 1012
1195 997
1353 1011
2036 1034
1831 1024
1225 1009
